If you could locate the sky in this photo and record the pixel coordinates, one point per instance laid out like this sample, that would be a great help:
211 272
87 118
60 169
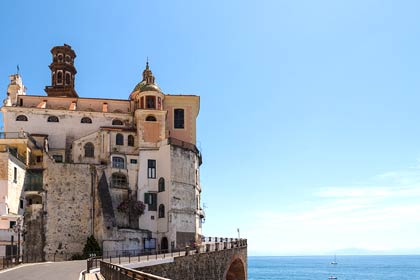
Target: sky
309 119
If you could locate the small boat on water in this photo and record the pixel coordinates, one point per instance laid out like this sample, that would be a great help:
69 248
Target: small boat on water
332 277
335 260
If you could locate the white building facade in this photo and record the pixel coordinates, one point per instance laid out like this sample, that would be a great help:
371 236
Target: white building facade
122 154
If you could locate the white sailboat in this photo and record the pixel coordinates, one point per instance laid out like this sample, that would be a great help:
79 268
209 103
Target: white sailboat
335 260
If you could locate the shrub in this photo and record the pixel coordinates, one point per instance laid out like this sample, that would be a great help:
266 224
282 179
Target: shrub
133 206
91 247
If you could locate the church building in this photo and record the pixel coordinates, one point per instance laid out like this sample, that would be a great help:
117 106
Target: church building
123 170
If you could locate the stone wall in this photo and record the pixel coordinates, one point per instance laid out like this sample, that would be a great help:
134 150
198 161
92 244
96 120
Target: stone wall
67 204
205 266
34 237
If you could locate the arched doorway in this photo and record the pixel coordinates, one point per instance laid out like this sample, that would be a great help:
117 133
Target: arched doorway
164 244
236 270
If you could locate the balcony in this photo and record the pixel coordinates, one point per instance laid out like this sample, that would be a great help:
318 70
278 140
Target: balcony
17 135
37 187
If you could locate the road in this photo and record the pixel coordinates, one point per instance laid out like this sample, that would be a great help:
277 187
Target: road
45 271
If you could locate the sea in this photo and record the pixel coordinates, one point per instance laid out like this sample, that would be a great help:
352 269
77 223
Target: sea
347 268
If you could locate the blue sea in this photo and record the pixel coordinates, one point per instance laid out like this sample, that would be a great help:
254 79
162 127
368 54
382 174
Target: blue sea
347 268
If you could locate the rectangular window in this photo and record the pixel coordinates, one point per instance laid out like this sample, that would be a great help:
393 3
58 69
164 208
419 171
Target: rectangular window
151 200
117 162
21 204
12 224
58 158
179 118
14 174
151 168
133 161
38 158
150 102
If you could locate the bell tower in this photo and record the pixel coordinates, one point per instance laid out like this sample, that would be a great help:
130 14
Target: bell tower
63 72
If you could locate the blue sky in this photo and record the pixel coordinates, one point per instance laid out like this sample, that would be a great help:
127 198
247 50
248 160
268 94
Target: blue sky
309 120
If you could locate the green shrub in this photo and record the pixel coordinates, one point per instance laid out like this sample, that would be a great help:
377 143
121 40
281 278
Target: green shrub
91 247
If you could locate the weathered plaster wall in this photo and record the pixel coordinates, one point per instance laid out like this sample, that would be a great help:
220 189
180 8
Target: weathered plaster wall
15 187
66 130
205 266
183 196
68 207
34 237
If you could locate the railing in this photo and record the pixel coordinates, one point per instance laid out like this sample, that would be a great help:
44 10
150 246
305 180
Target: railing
17 135
13 135
15 153
208 244
33 187
186 145
113 271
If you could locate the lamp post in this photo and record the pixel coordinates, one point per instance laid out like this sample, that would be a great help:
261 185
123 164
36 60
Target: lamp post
17 228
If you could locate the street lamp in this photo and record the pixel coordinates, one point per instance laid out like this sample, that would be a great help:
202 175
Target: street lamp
17 228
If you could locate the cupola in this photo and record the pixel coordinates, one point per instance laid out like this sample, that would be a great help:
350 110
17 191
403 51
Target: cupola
147 94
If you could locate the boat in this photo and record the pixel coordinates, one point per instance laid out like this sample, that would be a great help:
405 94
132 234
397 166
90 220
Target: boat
332 277
335 260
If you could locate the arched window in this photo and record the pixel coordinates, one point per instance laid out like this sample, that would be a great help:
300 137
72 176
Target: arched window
119 139
161 184
89 150
119 180
161 211
118 162
60 57
117 122
22 118
52 119
150 119
86 120
67 78
59 77
130 140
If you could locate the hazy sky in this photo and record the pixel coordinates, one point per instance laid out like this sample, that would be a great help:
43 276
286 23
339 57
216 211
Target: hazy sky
309 118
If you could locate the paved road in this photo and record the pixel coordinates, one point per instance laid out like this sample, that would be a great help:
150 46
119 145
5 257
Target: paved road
45 271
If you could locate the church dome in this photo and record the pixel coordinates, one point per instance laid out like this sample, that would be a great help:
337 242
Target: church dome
144 86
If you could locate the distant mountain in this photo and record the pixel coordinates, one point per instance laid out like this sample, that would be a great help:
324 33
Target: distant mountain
360 251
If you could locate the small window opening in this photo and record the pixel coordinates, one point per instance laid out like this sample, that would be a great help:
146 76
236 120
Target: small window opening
117 122
86 120
150 119
179 118
52 119
161 184
117 162
119 139
59 77
22 118
89 150
151 168
130 140
119 180
67 78
150 102
161 211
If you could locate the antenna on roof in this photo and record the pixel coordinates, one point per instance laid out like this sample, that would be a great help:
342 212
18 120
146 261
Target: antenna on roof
17 67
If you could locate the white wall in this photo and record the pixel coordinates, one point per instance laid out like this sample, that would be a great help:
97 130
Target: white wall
69 125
